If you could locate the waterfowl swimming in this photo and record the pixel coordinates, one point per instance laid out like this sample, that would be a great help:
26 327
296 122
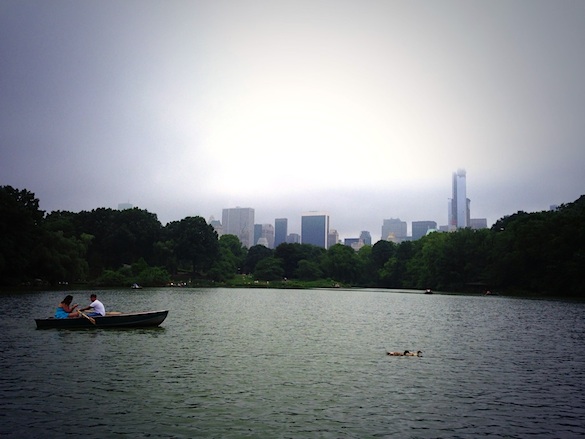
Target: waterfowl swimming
413 354
405 354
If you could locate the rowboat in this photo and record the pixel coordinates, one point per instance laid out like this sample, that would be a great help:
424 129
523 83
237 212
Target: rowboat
114 320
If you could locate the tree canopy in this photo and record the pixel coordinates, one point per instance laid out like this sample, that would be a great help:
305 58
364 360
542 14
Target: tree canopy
541 252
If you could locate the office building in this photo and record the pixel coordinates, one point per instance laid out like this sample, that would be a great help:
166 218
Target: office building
267 233
478 223
354 243
257 233
280 231
459 216
332 238
366 237
216 225
239 221
350 241
293 238
315 228
420 228
394 230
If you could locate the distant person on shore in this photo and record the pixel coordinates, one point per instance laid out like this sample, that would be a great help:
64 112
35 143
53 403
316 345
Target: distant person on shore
98 307
65 310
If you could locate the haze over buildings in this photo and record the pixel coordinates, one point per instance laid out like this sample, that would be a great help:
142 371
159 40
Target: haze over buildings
240 222
459 214
316 226
359 109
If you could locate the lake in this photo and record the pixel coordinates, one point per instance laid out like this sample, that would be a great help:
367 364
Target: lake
266 363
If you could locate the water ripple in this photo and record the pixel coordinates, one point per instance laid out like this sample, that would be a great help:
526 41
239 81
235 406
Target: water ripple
297 364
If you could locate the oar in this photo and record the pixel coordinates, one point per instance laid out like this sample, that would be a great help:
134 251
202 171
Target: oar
91 319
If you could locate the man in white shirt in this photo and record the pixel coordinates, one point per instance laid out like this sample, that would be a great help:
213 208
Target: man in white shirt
97 306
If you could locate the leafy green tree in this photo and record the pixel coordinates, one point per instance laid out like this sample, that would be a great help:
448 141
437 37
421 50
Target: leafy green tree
388 273
100 224
394 272
539 252
57 258
230 259
268 269
454 261
341 263
255 254
20 231
120 236
236 251
137 231
566 250
368 275
427 267
308 270
64 222
292 253
164 254
542 251
153 277
381 252
112 278
195 241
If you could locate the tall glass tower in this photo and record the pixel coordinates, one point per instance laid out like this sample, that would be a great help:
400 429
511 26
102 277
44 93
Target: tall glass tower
315 228
459 215
280 231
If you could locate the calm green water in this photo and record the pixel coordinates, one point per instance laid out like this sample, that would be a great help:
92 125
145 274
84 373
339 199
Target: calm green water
230 363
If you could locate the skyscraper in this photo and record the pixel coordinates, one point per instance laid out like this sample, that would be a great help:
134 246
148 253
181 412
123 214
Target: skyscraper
366 237
257 234
420 228
315 228
239 221
394 230
459 216
332 238
280 231
267 232
478 223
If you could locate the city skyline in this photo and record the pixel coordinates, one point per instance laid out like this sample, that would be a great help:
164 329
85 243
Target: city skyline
392 229
359 109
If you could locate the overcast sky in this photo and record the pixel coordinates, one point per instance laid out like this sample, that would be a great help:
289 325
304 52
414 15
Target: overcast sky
362 109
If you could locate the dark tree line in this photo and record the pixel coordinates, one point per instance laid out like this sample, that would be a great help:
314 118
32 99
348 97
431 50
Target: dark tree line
541 252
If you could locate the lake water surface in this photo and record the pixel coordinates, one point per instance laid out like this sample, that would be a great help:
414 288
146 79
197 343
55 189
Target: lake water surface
264 363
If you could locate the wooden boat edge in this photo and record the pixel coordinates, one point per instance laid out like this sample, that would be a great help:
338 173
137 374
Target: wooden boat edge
122 320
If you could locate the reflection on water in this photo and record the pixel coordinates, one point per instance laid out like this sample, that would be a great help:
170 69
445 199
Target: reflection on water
273 363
